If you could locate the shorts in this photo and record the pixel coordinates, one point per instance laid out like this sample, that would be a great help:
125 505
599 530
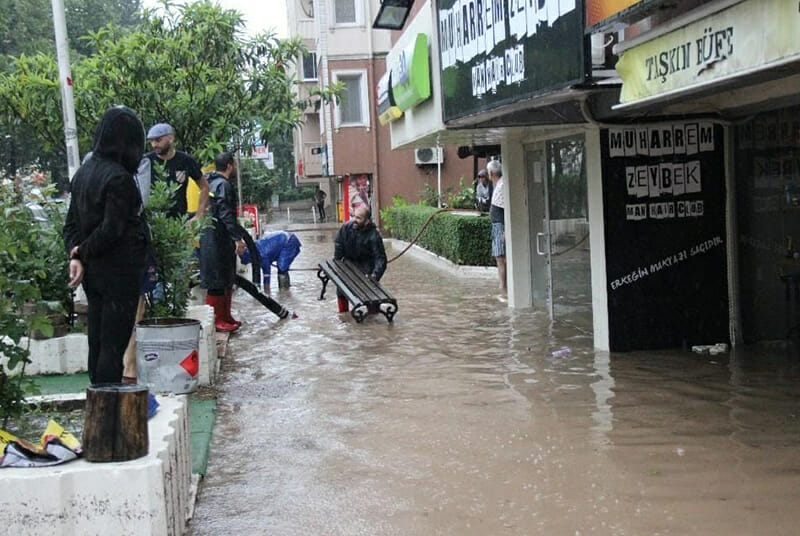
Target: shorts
498 239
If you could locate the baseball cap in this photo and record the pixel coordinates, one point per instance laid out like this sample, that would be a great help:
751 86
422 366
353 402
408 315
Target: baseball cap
482 173
158 130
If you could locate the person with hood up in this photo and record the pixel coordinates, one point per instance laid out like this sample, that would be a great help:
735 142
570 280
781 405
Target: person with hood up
106 239
220 244
360 241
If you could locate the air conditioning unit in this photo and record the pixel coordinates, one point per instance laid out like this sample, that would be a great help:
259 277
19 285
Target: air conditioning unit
428 155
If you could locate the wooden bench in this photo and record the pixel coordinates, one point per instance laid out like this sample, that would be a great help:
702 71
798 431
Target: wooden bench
366 295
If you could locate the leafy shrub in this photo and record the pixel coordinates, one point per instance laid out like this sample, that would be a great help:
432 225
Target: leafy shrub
464 197
23 272
387 217
173 246
463 239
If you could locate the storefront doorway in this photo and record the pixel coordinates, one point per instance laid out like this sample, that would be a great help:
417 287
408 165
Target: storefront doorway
561 279
767 163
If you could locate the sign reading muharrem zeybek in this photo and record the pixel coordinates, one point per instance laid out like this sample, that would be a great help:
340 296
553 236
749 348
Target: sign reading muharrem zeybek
496 52
660 183
664 208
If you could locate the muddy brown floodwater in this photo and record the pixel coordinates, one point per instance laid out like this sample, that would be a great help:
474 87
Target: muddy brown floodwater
453 421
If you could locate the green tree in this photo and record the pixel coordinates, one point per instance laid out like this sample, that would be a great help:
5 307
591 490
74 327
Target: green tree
28 30
28 24
190 66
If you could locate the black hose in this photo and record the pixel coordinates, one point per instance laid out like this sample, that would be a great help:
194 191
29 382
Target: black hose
275 307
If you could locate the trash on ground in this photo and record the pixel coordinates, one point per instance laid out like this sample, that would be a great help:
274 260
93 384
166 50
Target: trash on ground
712 349
560 352
56 446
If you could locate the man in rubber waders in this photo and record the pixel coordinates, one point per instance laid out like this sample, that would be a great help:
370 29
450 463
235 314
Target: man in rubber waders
221 243
360 241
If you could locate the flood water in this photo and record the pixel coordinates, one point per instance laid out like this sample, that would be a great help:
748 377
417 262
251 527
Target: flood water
454 421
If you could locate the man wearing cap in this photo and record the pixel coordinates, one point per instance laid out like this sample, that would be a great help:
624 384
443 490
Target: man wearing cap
483 191
177 167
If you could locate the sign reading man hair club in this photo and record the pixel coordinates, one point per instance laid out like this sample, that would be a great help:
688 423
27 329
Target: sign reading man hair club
664 202
495 52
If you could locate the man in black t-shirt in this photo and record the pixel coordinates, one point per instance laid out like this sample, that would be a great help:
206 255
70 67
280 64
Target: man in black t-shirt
176 167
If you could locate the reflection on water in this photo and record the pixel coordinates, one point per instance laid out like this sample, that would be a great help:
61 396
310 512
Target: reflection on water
453 421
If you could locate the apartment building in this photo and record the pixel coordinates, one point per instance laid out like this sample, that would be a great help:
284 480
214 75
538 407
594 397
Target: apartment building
342 146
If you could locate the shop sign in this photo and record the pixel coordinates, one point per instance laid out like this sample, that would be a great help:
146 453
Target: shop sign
411 81
407 81
664 208
599 10
496 52
754 33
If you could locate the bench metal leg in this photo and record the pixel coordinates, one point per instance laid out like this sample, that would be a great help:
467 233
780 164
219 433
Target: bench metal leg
389 311
359 312
324 278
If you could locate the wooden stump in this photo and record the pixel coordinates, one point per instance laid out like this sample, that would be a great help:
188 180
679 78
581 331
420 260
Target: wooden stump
115 423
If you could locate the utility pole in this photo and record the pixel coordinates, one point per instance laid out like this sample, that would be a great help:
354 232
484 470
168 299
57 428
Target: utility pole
65 83
238 170
438 172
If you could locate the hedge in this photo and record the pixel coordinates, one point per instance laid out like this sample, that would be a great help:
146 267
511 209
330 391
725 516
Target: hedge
463 239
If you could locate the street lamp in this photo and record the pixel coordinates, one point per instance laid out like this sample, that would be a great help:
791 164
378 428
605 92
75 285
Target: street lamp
393 14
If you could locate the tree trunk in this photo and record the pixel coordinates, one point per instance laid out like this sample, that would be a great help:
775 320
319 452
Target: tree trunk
115 423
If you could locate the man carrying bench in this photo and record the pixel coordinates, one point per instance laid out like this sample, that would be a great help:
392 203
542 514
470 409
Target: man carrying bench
360 242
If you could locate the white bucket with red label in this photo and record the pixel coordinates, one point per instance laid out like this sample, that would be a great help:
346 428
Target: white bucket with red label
167 358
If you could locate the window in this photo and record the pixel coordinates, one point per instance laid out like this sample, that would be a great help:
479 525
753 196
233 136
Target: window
310 66
346 11
352 110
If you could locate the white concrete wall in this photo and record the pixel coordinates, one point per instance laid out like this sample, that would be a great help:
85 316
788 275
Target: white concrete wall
59 355
69 354
518 228
597 239
144 497
395 246
209 360
353 40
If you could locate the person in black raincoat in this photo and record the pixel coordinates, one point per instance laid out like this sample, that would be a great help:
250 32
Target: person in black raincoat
106 239
360 241
221 243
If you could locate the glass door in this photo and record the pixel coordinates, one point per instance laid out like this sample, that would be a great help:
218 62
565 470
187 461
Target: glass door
557 192
535 175
567 224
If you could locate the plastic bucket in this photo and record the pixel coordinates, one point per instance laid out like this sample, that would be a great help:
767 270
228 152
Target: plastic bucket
167 354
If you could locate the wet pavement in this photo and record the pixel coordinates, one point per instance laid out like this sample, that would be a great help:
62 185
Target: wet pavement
454 421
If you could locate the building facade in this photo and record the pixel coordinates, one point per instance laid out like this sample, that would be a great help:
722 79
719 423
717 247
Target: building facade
342 146
650 155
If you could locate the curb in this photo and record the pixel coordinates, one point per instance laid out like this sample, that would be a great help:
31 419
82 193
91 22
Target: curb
487 272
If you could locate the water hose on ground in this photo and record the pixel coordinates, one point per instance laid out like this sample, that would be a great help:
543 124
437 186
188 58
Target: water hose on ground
414 241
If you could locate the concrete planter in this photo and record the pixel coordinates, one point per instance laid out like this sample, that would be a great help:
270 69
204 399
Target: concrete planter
440 262
145 497
67 355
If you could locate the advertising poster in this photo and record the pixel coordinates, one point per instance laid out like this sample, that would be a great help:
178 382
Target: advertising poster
664 203
359 192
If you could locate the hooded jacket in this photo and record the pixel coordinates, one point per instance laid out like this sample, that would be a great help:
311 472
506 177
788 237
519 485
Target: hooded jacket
217 244
103 218
362 246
